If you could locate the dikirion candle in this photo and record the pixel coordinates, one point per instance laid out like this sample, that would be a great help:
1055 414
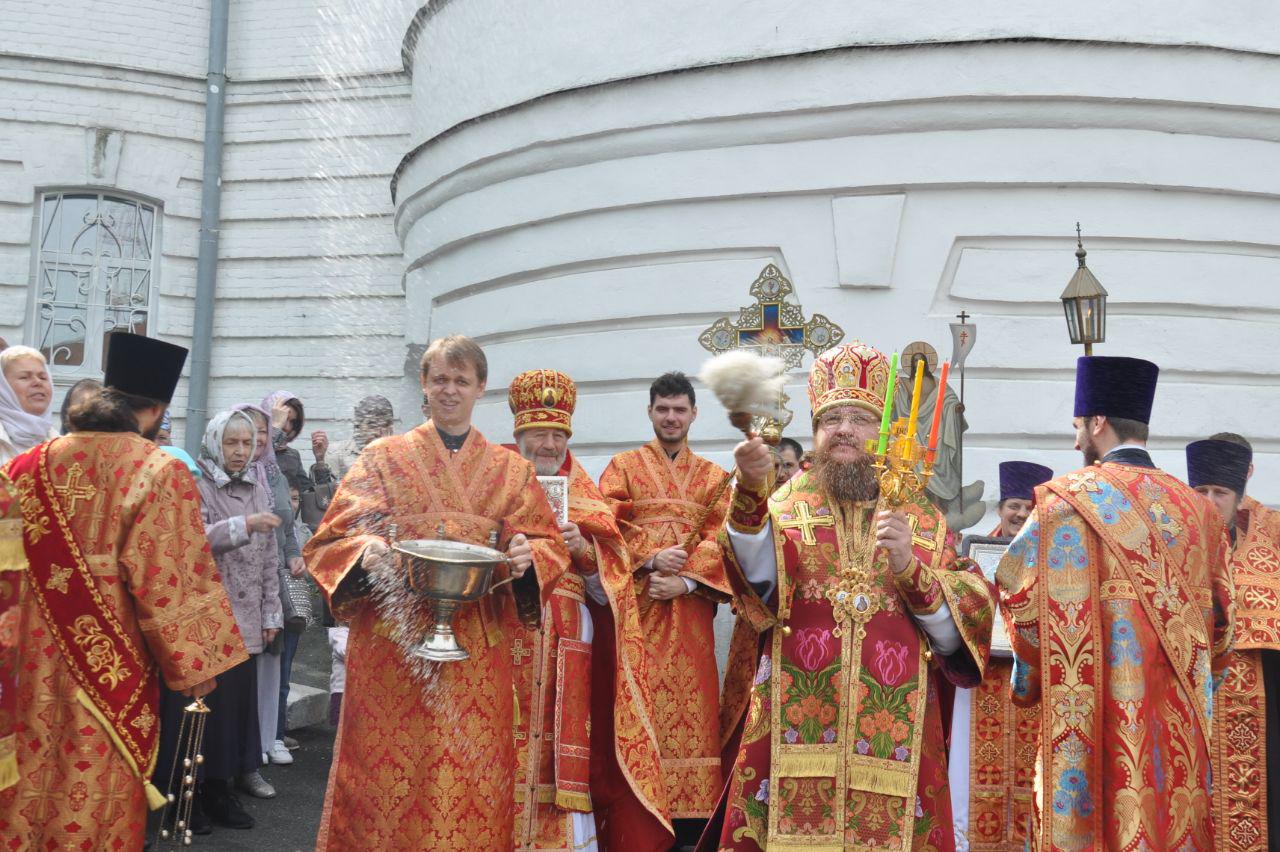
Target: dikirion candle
937 412
887 417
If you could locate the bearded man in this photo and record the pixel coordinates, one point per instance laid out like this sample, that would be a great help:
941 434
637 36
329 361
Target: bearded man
120 589
1248 713
858 609
1118 604
425 758
584 734
992 759
670 507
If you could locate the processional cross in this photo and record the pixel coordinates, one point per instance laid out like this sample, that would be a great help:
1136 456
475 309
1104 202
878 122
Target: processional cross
773 326
73 491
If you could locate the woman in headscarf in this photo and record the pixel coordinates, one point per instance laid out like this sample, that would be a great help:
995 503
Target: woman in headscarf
287 419
273 686
239 523
26 395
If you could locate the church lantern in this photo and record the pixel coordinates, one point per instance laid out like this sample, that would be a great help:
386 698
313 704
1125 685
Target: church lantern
1085 304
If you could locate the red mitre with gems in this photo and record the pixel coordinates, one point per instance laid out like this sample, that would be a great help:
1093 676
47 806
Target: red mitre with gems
543 399
849 374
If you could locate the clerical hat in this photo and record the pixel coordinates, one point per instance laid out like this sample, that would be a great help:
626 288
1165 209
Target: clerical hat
543 399
1115 387
1018 479
1222 463
143 366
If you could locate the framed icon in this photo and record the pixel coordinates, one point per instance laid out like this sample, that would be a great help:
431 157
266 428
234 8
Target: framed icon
986 552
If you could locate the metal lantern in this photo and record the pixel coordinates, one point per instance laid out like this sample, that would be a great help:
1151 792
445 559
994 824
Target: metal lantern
1085 304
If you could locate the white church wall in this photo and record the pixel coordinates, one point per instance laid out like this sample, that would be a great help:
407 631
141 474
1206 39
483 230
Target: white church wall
598 231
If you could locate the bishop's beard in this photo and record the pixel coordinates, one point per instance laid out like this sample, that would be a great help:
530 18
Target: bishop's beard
845 481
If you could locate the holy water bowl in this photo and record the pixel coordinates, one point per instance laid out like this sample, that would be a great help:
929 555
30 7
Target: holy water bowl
447 573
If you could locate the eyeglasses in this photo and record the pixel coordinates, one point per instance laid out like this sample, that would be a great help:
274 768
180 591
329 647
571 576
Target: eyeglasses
832 421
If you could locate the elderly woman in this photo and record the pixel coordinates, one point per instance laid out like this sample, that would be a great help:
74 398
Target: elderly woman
26 396
240 524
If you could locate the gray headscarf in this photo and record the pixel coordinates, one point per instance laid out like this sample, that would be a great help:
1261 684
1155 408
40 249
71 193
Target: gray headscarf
212 461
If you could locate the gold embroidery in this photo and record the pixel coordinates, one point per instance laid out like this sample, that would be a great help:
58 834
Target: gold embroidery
145 721
58 578
924 541
1083 481
72 491
98 650
34 521
805 522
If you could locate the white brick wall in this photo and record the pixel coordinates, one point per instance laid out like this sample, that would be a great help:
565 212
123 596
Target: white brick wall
310 295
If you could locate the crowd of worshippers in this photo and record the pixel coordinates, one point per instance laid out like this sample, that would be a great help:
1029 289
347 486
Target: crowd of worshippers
881 690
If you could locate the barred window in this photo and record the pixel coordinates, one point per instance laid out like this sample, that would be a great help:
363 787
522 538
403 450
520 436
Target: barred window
95 274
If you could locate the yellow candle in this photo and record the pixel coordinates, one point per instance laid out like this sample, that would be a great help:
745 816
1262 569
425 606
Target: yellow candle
915 403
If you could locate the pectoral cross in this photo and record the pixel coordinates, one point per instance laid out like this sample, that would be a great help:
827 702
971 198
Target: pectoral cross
519 653
805 522
73 491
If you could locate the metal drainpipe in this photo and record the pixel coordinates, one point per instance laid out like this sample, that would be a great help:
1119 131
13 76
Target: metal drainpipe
215 99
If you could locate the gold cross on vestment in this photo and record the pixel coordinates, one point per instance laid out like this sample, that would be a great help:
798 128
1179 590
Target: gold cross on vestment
805 522
73 491
925 541
519 653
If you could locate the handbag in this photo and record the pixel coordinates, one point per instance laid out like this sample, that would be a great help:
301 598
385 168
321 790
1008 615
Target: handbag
315 503
295 602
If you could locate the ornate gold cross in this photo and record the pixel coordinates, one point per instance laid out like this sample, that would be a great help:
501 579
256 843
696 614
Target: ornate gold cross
921 540
519 653
805 522
73 491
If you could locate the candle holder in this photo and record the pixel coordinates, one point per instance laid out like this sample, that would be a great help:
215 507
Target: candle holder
904 468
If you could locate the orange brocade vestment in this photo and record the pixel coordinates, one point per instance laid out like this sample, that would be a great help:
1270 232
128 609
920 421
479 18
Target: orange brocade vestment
1241 742
658 501
428 763
1119 607
134 515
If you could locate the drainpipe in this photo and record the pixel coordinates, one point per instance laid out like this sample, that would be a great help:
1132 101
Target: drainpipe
210 210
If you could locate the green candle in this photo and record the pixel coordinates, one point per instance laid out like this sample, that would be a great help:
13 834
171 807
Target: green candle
888 407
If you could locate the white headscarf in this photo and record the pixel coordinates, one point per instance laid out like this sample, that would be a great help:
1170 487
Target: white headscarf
212 461
24 430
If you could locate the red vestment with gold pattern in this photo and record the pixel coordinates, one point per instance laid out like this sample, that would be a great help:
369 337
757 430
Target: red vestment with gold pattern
1242 743
1002 739
428 763
138 597
658 501
1119 602
589 714
839 732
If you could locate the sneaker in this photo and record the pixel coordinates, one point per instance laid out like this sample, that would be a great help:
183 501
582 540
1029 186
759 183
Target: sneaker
290 743
255 785
223 806
280 753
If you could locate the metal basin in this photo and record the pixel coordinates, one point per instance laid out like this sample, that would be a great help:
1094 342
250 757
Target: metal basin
449 570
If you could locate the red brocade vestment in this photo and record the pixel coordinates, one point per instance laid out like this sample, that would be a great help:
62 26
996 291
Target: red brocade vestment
840 740
1241 741
428 763
1119 609
658 501
120 589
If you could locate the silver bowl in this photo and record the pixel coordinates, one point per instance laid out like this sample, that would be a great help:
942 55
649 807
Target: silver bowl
446 573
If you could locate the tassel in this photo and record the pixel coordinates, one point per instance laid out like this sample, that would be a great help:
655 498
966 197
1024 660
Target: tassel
515 706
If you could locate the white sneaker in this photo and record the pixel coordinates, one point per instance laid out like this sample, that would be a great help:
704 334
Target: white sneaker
280 754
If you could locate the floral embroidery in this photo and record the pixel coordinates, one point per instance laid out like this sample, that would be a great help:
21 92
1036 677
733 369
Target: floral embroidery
1125 649
1109 502
809 703
891 662
885 718
1067 551
813 648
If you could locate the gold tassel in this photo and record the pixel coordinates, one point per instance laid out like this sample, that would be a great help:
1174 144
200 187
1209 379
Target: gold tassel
807 766
879 779
8 761
568 801
515 706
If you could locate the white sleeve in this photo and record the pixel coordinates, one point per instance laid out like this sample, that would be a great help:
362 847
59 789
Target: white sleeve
595 589
941 628
757 557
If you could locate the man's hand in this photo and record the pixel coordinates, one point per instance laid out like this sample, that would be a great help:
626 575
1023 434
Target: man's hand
378 558
269 633
663 587
201 689
670 561
894 535
297 567
261 522
520 552
319 446
754 462
573 539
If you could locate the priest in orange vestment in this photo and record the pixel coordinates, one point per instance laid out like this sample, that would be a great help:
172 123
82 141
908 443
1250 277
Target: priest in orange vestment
992 759
588 763
670 506
425 757
1247 758
120 589
1119 606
